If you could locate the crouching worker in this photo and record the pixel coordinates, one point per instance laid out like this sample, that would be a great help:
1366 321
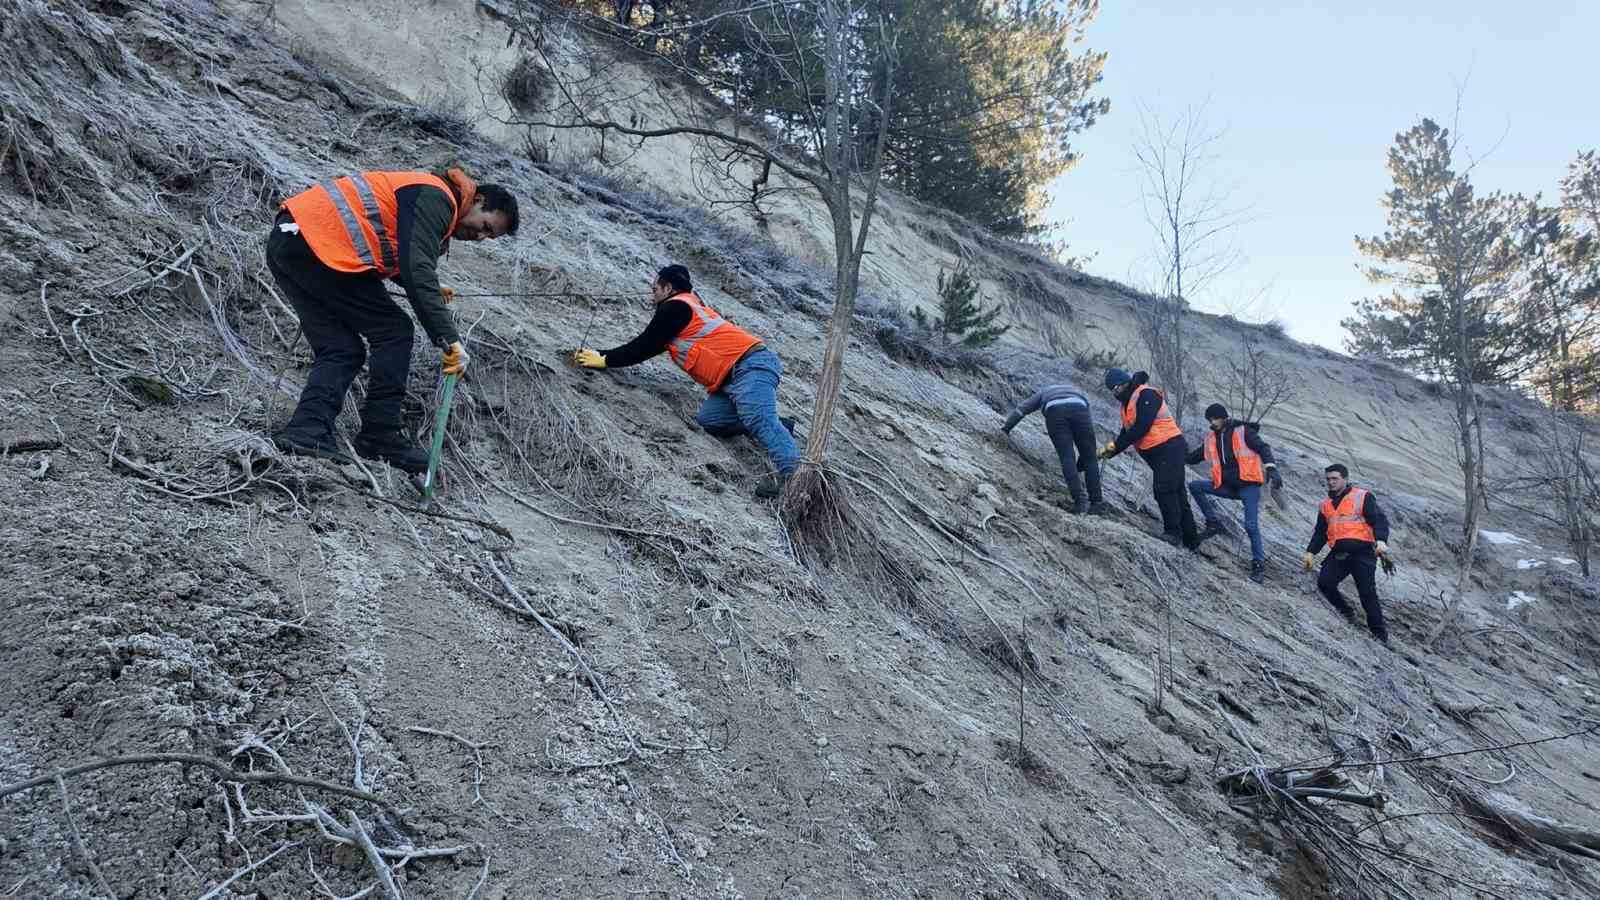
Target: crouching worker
1071 428
1148 426
330 250
1350 523
1241 462
738 371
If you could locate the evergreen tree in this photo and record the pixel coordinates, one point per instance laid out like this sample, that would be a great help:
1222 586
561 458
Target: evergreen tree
961 312
1449 256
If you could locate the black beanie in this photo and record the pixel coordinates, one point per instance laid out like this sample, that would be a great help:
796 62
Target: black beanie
1216 411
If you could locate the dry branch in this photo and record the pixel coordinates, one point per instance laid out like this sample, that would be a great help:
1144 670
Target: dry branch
385 876
189 759
218 890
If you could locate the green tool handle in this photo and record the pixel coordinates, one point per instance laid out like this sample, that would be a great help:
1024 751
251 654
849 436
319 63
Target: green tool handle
440 420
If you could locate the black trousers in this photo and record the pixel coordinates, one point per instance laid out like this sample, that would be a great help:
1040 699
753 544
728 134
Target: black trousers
1166 463
1364 568
337 310
1071 430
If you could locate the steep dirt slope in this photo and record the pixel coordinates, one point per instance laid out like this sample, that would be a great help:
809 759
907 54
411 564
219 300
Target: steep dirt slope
846 728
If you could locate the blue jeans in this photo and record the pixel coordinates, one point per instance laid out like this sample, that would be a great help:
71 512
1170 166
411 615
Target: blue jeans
747 403
1250 494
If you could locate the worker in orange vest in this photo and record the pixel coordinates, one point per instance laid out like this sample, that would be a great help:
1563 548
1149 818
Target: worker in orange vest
1148 426
1241 463
1352 524
331 247
738 371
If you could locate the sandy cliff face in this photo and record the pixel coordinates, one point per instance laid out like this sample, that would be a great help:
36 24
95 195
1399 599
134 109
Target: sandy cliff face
753 726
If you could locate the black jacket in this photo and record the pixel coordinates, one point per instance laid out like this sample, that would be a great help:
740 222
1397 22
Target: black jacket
1230 463
671 318
1144 415
1369 511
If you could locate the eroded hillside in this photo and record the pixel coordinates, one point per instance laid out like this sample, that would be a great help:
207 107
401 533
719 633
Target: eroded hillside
726 721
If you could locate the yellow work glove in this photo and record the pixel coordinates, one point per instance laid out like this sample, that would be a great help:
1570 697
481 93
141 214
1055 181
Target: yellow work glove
588 359
449 294
1383 548
455 359
1311 561
1109 450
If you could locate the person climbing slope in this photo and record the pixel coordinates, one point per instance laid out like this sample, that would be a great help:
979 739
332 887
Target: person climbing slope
1148 426
1241 462
1070 425
1351 523
738 371
331 247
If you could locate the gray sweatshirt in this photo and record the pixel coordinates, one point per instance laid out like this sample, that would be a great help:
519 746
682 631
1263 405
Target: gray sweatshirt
1047 395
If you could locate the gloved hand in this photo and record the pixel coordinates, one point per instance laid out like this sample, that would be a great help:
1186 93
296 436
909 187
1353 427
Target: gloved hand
455 359
588 359
1311 561
449 294
1383 548
1108 451
1273 478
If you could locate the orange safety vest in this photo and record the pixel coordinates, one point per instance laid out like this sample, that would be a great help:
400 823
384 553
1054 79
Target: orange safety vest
709 346
352 223
1163 429
1249 460
1345 521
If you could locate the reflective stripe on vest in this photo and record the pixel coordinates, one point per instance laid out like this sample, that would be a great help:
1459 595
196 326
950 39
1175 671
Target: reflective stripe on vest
1163 429
369 205
709 322
1248 460
352 223
709 346
1346 521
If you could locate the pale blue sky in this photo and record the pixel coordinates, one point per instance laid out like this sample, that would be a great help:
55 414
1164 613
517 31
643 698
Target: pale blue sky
1311 95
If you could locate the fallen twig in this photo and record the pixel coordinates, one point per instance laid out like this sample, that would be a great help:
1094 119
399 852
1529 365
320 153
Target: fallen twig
217 891
385 876
190 759
29 445
77 841
477 749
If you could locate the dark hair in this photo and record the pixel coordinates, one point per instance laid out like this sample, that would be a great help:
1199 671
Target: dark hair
1216 411
498 199
1338 467
675 277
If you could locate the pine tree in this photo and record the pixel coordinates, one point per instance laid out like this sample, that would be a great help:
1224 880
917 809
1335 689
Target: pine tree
1449 257
961 312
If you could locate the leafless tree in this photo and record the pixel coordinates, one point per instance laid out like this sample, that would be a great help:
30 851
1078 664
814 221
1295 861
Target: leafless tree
1190 218
1185 203
1557 484
816 45
1252 383
1160 323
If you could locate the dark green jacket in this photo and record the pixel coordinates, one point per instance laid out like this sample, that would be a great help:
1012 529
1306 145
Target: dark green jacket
423 216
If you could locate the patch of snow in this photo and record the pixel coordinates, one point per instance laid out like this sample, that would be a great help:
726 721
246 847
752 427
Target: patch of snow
1564 561
1502 537
1520 599
1529 563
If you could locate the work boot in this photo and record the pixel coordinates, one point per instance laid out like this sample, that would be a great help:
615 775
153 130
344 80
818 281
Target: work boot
393 447
1080 507
1258 570
301 443
1099 509
1213 528
771 486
